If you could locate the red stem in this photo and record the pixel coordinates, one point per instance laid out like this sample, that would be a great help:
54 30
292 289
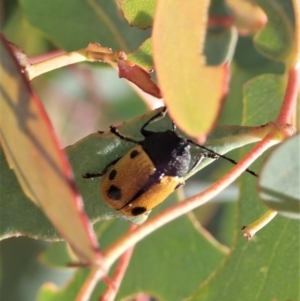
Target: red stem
112 290
128 240
290 98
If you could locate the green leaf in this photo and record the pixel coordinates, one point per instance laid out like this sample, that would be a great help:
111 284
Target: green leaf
183 254
138 13
57 255
279 185
74 24
267 90
90 155
221 38
94 152
267 267
276 40
18 215
143 55
220 45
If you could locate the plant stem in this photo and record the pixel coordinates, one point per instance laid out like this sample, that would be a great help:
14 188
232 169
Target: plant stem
92 53
290 98
90 283
112 291
56 62
117 248
250 230
97 272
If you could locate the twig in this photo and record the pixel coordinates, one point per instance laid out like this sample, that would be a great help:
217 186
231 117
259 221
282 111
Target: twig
290 98
111 292
250 230
93 53
98 272
55 63
111 254
116 249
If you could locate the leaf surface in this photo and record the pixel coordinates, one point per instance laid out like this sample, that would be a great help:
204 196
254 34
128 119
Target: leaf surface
282 191
186 83
276 39
138 13
90 155
179 251
267 266
74 24
43 172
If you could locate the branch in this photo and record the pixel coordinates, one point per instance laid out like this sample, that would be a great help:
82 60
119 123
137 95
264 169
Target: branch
112 291
97 272
94 52
288 107
115 250
250 230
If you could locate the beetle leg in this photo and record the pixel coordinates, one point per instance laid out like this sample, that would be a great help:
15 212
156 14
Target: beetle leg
92 175
101 173
156 117
116 132
201 157
197 162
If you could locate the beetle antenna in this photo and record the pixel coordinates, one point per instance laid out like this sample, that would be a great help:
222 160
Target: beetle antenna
222 156
165 110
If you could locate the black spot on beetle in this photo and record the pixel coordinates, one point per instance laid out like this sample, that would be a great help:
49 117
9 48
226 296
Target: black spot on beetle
138 210
134 153
114 193
112 174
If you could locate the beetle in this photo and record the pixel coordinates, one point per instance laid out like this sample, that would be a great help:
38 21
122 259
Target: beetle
150 171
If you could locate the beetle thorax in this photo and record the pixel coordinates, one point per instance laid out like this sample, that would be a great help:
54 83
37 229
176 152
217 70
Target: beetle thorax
169 152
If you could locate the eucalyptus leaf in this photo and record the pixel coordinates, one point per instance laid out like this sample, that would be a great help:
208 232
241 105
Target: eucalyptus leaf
276 39
279 184
91 155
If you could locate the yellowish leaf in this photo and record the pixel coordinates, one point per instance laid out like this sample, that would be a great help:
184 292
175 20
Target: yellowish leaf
192 91
33 152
